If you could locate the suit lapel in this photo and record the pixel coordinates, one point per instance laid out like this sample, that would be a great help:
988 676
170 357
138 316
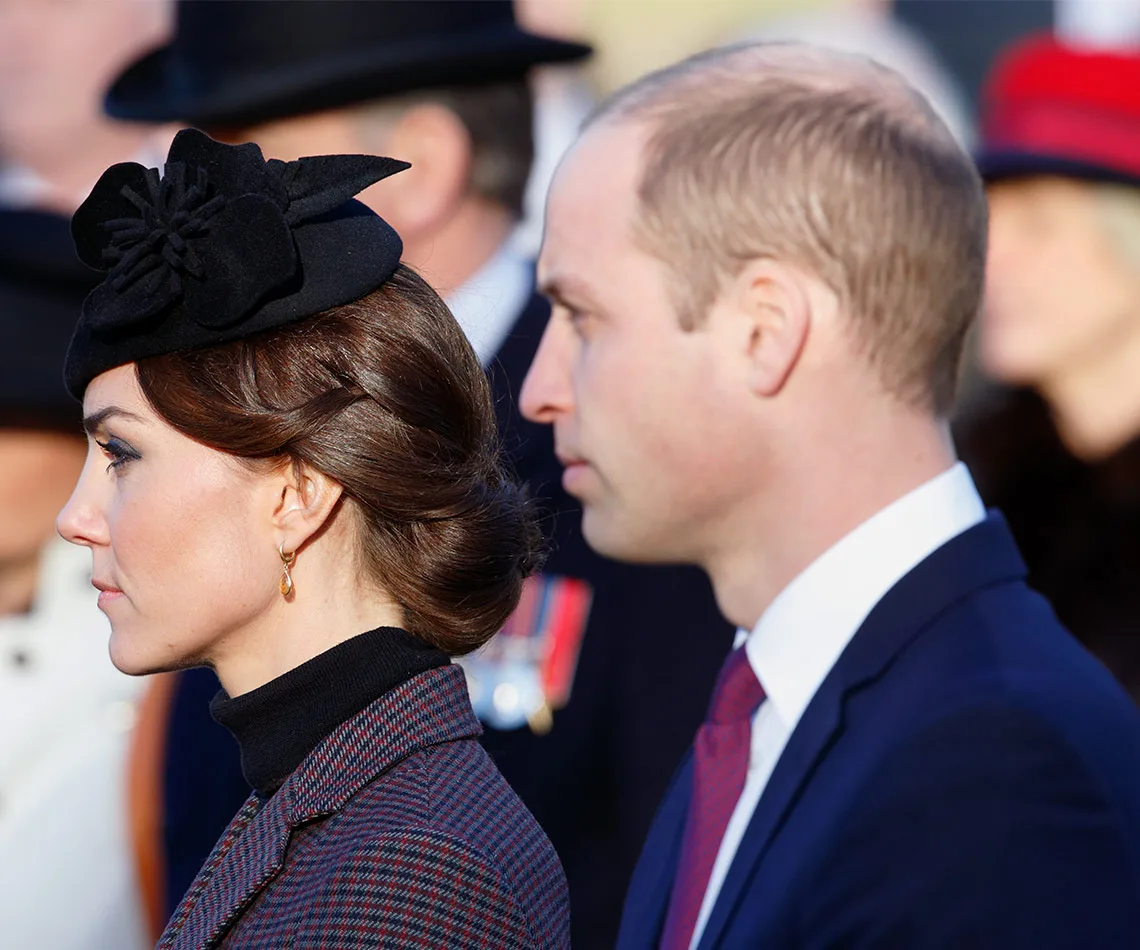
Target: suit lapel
814 734
529 445
643 915
982 556
510 364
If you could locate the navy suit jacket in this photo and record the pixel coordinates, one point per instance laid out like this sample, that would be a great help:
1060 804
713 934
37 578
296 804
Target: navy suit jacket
966 776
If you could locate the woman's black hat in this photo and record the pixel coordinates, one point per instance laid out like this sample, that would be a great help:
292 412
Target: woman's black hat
42 286
240 62
222 244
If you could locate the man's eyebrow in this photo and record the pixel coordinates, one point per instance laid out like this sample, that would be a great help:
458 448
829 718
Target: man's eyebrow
557 290
92 422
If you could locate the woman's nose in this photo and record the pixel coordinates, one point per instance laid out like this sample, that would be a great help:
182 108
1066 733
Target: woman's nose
81 520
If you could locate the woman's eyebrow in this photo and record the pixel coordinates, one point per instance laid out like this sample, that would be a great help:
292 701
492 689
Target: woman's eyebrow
92 422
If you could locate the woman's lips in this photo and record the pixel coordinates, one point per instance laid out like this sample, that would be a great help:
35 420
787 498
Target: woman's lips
108 597
107 593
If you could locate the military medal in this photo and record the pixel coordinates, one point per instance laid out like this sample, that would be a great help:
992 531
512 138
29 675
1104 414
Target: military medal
526 671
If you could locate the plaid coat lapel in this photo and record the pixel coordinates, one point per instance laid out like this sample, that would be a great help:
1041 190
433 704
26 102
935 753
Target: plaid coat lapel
428 709
246 858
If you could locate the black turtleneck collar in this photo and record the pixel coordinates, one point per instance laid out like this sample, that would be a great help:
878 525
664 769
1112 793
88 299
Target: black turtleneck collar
278 724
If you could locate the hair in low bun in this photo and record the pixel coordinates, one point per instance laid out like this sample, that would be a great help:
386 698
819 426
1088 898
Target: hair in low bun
386 396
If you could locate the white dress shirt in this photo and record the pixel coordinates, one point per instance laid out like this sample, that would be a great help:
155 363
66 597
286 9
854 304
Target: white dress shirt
801 635
487 305
23 188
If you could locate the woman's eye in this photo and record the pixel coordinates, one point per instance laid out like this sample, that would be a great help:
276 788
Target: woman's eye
118 452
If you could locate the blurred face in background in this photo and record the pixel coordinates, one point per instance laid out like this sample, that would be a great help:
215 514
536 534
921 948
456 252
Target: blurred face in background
1061 293
57 58
38 469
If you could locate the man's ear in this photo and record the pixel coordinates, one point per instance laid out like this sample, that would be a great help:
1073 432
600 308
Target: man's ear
305 504
437 144
776 303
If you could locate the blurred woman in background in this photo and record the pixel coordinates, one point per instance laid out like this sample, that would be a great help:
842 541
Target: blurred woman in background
1059 453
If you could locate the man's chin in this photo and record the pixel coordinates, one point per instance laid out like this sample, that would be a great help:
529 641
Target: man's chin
610 538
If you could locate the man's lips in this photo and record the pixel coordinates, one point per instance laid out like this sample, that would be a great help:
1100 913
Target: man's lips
573 470
569 460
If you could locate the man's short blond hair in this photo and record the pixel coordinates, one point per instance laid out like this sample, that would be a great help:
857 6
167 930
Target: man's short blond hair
830 162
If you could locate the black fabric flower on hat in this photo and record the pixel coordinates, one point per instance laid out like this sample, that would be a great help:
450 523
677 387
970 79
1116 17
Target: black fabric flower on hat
220 245
213 232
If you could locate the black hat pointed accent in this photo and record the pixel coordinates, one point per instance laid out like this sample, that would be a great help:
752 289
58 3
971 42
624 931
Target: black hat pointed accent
320 183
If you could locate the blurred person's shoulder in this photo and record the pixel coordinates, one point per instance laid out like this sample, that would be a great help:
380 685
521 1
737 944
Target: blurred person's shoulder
1008 441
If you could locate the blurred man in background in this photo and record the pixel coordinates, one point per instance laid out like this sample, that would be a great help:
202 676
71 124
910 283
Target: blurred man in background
56 58
573 720
1059 452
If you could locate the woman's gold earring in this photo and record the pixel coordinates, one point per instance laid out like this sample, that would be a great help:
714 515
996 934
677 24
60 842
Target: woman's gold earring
286 577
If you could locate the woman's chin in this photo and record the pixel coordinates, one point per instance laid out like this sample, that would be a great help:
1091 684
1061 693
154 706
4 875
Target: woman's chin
128 658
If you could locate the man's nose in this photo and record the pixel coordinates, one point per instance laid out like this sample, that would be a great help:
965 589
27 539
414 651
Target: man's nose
546 391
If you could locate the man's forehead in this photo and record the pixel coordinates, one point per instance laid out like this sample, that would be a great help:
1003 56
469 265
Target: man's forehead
593 195
605 159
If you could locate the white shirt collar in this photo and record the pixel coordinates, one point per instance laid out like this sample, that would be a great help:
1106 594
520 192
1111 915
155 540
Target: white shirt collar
801 635
490 301
23 187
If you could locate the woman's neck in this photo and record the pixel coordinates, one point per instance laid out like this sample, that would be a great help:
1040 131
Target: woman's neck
317 617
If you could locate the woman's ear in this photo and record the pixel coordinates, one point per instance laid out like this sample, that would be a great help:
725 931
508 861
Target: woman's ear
305 504
776 304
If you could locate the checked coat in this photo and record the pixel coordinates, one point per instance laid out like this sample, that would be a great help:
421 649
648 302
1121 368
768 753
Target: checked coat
396 831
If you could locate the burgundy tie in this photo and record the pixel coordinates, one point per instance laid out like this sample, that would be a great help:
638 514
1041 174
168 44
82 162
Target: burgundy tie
720 764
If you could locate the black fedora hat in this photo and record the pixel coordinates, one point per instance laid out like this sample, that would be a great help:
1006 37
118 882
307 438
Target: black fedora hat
42 286
239 62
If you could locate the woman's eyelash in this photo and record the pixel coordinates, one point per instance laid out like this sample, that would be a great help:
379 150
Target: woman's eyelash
119 452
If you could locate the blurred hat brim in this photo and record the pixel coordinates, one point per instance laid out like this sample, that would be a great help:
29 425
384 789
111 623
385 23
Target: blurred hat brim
157 89
1003 164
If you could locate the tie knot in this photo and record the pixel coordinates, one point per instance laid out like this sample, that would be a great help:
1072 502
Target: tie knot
738 692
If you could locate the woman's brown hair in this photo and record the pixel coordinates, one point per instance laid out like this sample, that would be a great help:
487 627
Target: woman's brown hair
386 396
